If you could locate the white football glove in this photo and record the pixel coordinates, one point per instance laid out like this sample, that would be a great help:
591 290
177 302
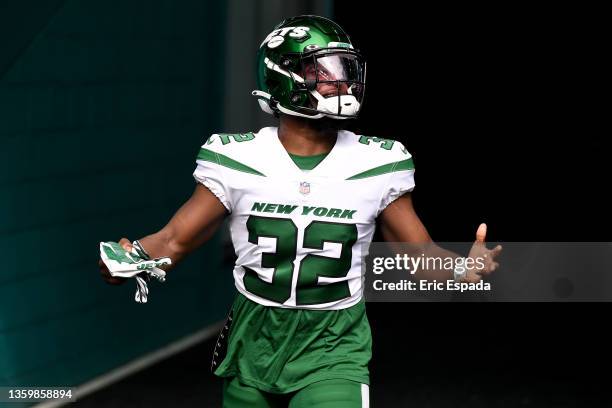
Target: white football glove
133 264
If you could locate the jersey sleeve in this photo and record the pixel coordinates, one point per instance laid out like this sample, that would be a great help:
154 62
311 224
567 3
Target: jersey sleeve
400 178
209 173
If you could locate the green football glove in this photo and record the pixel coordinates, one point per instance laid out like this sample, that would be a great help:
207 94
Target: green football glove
133 264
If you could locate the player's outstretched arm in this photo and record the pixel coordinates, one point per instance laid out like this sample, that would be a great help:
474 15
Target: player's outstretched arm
192 225
399 222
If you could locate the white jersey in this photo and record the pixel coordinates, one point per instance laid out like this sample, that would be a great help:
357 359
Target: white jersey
299 235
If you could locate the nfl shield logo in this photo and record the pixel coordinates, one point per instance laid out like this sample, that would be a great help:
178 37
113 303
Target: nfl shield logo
304 187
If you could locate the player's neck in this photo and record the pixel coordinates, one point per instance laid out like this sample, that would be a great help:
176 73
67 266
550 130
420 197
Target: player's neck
307 137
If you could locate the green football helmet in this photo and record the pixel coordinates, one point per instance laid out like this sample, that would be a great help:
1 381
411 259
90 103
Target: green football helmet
307 67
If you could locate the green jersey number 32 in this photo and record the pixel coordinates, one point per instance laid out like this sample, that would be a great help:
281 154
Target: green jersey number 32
308 290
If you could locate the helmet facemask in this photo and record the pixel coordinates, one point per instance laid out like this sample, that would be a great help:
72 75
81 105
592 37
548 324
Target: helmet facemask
326 82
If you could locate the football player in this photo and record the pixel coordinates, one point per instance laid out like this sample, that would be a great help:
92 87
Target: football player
302 200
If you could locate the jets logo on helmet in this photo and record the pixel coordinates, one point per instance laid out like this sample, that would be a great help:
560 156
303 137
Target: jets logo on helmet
276 37
308 67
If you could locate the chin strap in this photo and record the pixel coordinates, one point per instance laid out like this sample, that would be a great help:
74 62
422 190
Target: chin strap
264 99
294 113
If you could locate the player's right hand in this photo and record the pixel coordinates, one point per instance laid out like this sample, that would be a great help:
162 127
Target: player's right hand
108 278
480 251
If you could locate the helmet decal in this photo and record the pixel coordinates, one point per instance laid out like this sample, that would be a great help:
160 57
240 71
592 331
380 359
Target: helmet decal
277 37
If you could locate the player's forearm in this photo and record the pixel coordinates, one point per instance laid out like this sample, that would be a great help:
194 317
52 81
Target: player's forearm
402 228
166 243
190 227
162 244
177 243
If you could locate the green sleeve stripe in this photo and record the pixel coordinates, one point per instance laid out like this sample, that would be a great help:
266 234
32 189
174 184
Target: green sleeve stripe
384 169
221 160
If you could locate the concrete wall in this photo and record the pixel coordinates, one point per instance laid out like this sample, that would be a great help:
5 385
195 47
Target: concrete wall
103 107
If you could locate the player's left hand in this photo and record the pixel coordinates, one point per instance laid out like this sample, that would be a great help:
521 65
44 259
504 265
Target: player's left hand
487 256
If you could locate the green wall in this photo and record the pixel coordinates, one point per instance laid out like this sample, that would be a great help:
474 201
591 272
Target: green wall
103 106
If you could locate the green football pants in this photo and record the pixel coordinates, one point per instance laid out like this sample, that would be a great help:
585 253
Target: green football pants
336 393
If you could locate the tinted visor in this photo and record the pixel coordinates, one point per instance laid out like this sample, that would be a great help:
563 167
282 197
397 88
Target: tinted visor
334 73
